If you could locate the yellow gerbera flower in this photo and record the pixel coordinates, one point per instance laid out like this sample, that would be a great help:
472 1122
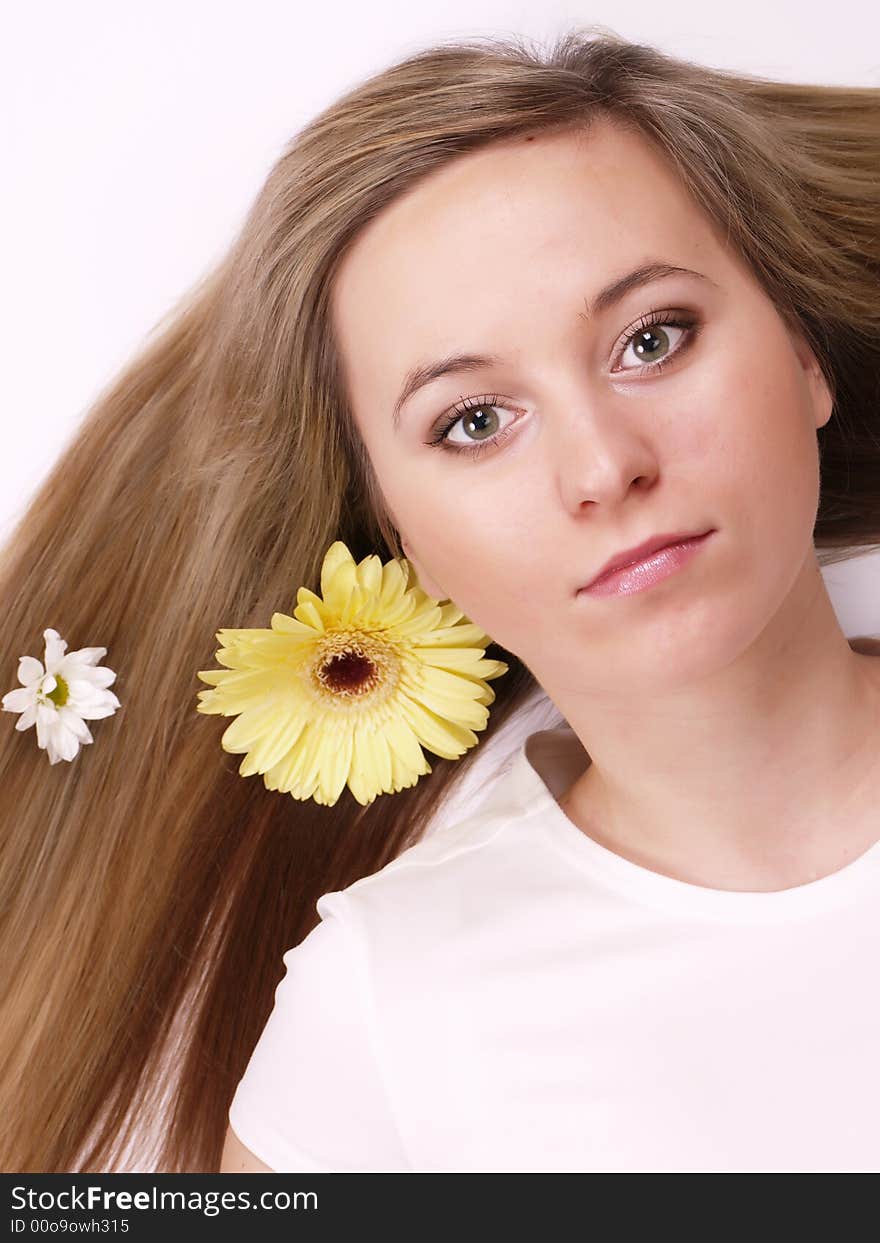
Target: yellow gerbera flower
348 689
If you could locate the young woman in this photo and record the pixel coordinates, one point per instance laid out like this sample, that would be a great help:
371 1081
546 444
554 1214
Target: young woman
516 316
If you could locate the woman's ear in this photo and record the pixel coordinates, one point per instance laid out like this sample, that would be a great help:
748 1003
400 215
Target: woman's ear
820 390
426 583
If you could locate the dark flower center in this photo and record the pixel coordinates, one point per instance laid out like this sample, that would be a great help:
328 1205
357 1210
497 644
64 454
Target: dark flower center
348 672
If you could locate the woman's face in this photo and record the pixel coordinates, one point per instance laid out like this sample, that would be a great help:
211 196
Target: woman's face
579 444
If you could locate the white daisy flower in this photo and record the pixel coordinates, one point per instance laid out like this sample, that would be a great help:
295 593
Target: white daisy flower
61 697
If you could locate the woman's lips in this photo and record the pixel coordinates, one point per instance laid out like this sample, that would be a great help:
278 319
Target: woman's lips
652 569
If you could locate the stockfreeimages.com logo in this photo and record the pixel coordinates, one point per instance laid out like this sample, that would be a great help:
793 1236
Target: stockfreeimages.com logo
95 1199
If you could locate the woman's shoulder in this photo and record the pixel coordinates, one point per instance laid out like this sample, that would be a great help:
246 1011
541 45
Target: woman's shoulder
448 848
458 857
451 867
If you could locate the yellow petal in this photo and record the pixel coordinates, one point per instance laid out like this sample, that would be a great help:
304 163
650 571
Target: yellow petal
369 573
338 585
444 737
283 775
393 585
274 743
336 555
212 676
363 777
404 744
289 625
334 774
246 729
315 740
472 714
425 617
464 635
380 760
307 611
449 685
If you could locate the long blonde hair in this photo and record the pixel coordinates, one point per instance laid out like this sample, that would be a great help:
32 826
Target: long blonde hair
205 485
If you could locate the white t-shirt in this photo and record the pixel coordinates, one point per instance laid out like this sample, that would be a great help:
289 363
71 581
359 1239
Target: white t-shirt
509 995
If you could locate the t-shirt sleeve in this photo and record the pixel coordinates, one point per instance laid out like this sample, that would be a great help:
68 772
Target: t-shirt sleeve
313 1097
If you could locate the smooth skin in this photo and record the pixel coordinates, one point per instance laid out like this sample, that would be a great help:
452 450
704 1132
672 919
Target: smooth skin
733 732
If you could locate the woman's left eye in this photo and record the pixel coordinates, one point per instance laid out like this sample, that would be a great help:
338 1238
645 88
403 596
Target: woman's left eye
650 341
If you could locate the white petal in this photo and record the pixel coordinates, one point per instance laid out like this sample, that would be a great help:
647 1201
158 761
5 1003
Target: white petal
61 744
27 718
46 718
83 691
55 649
19 700
103 675
49 683
75 724
99 676
66 742
83 694
30 670
71 666
96 710
86 655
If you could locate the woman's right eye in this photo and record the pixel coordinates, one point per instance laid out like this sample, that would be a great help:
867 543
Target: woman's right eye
474 413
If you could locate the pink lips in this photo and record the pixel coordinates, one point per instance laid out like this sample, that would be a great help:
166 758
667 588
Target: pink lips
650 570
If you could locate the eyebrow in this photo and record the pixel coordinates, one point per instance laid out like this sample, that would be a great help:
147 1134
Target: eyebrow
612 293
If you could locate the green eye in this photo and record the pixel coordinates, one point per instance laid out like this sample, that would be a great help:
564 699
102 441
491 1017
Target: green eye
650 340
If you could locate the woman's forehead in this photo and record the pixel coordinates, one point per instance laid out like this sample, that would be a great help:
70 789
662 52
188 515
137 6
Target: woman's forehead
475 251
517 210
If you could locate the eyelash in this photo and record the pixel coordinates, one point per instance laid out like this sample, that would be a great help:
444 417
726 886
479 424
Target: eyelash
674 319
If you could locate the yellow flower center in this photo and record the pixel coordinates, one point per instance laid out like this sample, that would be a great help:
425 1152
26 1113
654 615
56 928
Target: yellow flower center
60 693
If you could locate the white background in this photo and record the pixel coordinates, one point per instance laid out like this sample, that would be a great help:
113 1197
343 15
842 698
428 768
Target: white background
137 136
